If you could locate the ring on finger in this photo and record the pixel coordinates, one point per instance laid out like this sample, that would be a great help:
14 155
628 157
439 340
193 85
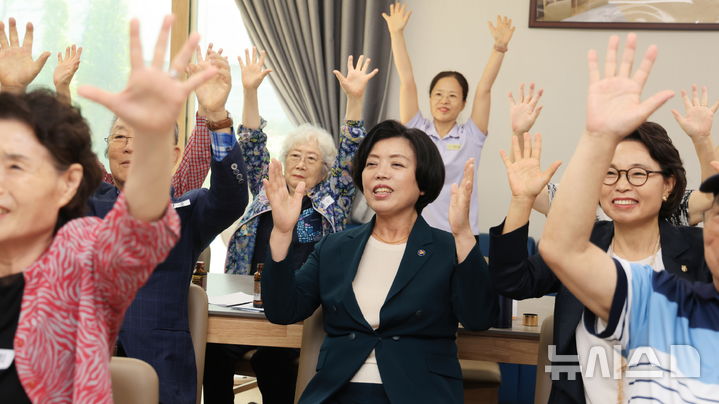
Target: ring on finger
174 74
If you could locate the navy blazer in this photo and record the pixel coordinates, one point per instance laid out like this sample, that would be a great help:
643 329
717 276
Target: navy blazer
415 342
156 328
519 276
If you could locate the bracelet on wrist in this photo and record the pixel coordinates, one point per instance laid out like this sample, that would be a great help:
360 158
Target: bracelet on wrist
500 48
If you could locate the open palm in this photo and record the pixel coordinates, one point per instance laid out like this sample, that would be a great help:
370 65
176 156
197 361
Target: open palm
212 94
285 207
355 83
67 66
461 200
253 71
397 18
698 118
17 69
525 112
526 179
614 105
153 98
502 32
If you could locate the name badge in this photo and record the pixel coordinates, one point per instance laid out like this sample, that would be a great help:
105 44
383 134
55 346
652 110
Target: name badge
6 358
180 204
454 146
326 201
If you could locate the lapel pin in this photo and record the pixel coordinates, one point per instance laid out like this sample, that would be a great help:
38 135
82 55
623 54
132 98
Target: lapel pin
421 252
684 268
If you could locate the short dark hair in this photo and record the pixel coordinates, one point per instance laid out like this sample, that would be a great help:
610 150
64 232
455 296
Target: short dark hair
429 172
62 130
655 138
457 76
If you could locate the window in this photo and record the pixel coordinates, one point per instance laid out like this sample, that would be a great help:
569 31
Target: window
101 28
221 23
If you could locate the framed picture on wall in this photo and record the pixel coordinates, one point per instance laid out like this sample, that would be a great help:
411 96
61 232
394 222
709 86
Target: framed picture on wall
625 14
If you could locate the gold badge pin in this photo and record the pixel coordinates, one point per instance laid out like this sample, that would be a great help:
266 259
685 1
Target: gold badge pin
684 268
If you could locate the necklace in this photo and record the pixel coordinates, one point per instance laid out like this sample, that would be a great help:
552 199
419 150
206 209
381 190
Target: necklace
400 241
653 261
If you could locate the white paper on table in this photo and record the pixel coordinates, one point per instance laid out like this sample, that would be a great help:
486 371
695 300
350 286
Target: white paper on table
248 307
231 300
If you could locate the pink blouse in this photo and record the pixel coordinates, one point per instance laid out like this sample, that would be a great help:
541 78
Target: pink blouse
75 297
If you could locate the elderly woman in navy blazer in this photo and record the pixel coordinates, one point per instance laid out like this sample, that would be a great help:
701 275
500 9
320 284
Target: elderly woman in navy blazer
392 290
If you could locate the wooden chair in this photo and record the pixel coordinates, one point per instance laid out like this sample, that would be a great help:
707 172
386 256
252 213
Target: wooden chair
313 333
481 381
197 317
133 382
543 384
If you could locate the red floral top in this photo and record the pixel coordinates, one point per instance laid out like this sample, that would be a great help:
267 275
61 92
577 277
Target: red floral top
76 294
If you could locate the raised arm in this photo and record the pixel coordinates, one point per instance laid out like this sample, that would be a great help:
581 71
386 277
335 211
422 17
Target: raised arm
253 72
697 124
252 138
211 100
355 84
285 210
151 103
65 70
526 179
502 34
396 22
17 69
614 110
458 214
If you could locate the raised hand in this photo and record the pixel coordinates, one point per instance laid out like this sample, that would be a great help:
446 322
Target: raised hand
460 201
153 98
285 207
698 115
526 179
355 83
397 18
502 32
17 69
524 113
67 66
212 94
614 105
252 68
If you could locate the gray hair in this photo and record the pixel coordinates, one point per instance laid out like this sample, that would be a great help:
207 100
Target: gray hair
305 133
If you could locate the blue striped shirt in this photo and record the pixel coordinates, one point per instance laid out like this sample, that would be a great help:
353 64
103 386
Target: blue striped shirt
668 329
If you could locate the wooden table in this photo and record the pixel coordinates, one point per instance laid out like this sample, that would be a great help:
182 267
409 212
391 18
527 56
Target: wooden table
518 344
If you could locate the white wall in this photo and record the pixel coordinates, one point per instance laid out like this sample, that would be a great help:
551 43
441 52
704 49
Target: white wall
453 35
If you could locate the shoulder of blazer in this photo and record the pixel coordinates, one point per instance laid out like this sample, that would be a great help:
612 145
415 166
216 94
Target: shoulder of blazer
680 240
602 234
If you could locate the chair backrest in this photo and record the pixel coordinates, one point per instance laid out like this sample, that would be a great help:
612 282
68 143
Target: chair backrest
133 382
543 383
313 333
197 317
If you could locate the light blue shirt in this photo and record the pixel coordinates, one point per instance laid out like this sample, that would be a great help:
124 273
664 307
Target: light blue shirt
463 142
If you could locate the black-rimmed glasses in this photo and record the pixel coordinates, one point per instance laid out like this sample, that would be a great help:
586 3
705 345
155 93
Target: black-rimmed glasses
636 176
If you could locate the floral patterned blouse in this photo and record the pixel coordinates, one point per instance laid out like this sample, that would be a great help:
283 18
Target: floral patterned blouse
331 198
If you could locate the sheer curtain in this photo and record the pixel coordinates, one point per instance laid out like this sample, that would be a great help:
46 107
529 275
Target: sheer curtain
306 39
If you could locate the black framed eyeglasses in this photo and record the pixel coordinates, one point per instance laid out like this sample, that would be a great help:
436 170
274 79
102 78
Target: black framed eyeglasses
636 176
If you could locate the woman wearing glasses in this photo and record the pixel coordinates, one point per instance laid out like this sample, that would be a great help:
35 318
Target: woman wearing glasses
310 156
643 186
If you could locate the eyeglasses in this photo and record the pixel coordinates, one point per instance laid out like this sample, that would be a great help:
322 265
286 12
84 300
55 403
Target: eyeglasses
636 176
310 159
118 140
